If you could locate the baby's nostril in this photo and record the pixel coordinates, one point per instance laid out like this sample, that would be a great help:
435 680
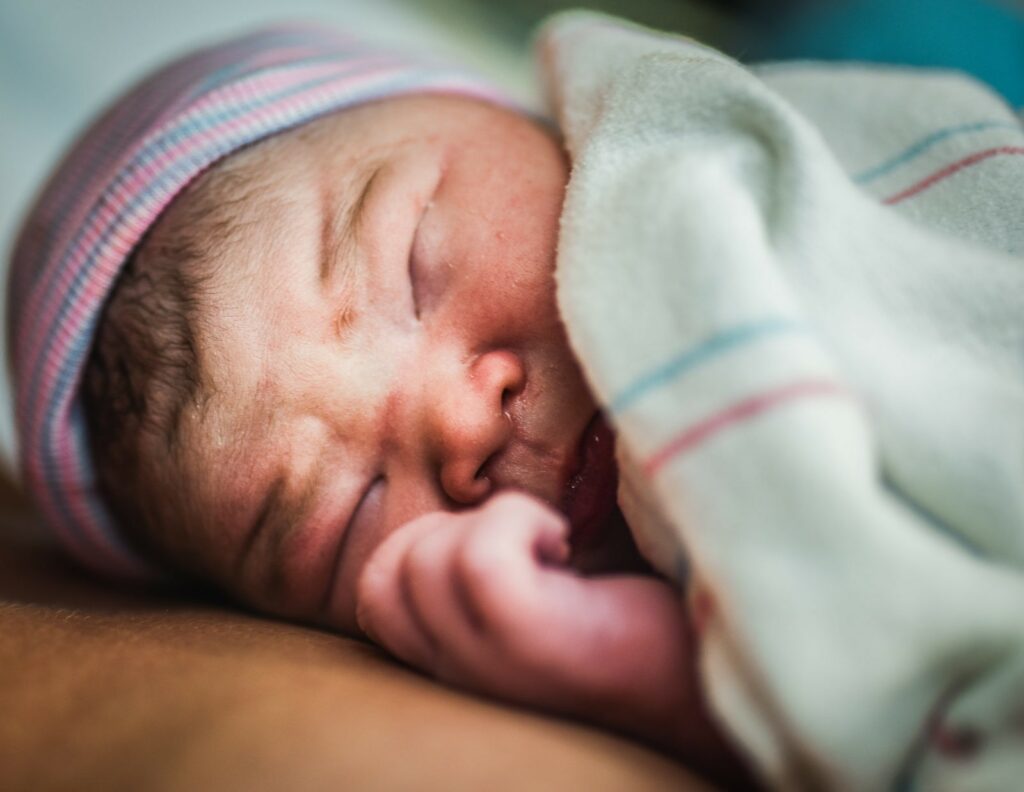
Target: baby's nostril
465 488
481 472
481 487
513 386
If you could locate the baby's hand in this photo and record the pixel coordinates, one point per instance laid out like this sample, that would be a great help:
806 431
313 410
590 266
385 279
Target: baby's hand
483 600
462 595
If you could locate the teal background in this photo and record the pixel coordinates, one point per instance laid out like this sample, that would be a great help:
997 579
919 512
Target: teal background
983 38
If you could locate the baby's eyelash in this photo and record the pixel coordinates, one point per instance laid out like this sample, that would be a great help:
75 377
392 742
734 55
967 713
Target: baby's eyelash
415 276
350 525
412 287
363 498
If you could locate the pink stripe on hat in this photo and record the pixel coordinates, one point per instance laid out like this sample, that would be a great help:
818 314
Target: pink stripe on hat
110 189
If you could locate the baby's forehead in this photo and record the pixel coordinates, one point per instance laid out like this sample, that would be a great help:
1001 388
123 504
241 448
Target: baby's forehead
257 182
263 196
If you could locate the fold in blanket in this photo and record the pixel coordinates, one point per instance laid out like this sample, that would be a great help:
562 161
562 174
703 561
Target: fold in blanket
799 293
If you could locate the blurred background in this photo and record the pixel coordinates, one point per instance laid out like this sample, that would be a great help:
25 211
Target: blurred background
61 60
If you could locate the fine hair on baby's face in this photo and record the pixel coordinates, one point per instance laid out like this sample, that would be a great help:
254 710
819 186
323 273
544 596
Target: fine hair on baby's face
375 336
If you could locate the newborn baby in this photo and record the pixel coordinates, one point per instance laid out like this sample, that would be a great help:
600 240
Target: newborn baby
383 427
285 321
331 379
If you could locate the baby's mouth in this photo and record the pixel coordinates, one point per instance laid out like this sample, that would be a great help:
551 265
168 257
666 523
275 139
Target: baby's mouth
590 490
600 542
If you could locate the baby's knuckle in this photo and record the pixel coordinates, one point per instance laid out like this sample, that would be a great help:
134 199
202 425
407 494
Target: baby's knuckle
421 565
478 565
495 617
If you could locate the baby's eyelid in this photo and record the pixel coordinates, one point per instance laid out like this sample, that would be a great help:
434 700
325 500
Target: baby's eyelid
415 267
347 531
374 482
412 283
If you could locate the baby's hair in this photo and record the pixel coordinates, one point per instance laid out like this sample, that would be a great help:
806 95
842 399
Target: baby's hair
144 367
142 371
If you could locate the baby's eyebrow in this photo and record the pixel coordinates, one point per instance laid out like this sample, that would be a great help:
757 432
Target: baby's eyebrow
339 230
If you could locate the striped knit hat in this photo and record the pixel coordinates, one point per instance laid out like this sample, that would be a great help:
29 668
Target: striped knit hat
110 189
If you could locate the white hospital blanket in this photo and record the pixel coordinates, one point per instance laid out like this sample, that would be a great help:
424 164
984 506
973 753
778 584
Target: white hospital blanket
799 292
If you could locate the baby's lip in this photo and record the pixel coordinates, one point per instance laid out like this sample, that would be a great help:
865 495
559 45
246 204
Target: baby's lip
590 489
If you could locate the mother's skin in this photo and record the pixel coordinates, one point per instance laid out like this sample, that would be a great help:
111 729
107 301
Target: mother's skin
115 688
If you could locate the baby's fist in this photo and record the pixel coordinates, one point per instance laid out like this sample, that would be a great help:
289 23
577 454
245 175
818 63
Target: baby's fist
460 595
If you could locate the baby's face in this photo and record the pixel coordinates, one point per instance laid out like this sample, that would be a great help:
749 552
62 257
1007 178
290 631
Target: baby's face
379 339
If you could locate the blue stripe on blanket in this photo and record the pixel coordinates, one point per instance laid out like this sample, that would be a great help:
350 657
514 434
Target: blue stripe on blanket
925 143
680 364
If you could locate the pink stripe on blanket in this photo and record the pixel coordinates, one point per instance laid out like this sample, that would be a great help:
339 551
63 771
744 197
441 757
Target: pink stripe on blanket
949 170
697 433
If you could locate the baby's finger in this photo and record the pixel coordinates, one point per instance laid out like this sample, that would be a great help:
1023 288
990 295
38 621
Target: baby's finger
513 539
532 524
467 587
383 600
438 605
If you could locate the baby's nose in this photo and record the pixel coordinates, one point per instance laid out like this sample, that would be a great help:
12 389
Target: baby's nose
473 423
